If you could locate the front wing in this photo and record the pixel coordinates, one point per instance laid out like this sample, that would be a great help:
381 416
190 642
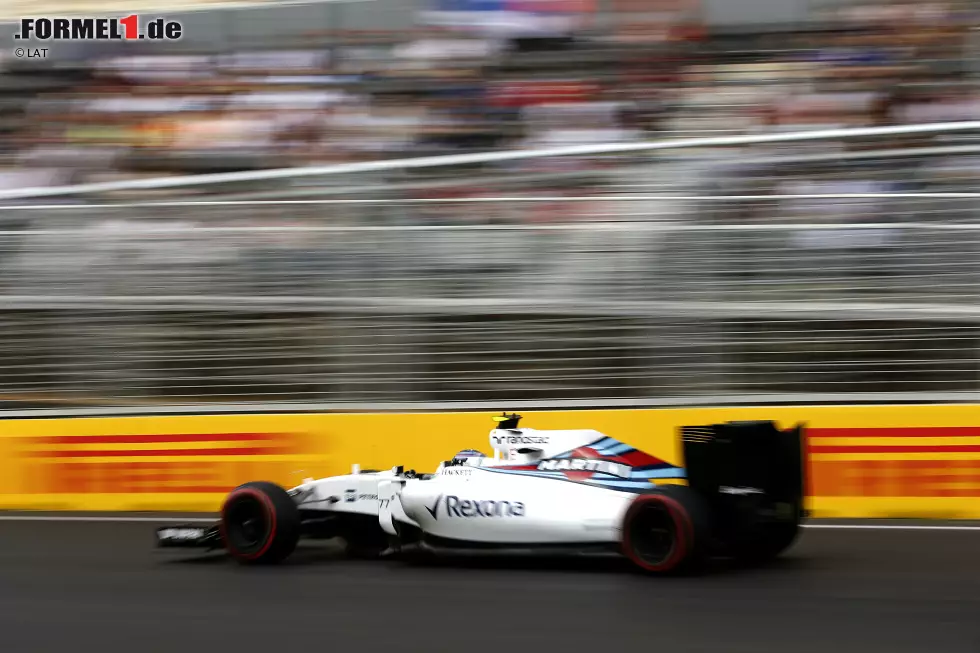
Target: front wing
189 536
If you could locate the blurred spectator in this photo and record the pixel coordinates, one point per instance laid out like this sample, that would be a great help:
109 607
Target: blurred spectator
364 97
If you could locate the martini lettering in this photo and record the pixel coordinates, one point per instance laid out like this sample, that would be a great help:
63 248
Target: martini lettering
584 465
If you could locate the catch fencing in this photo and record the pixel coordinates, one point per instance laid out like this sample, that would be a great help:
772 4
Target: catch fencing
143 313
612 294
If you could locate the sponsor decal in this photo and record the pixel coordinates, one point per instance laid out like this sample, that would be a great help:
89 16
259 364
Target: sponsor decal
456 471
456 507
584 465
520 439
182 534
739 491
350 496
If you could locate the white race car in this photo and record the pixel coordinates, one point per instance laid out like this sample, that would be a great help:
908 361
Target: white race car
739 493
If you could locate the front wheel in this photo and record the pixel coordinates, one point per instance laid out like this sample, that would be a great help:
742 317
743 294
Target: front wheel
666 531
260 523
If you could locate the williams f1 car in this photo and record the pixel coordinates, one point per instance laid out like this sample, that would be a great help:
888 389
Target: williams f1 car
737 493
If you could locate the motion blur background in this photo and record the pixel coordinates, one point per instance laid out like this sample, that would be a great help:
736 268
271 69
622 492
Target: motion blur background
690 271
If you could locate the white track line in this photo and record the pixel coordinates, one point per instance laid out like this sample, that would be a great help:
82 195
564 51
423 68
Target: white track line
162 519
208 520
891 527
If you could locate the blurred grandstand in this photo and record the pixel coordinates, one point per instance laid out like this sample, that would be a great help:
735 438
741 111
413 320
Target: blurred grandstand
845 266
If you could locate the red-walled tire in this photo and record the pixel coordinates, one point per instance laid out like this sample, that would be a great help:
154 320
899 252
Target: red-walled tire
667 531
260 523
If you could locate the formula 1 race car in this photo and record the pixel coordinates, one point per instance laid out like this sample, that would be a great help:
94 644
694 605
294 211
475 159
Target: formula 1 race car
738 494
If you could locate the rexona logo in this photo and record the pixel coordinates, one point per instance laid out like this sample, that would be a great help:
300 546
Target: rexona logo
520 439
474 508
584 465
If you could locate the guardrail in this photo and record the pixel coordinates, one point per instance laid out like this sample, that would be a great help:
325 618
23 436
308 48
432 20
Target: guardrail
446 161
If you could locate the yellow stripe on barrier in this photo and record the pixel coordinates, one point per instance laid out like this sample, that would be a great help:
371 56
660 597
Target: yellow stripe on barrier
114 502
894 508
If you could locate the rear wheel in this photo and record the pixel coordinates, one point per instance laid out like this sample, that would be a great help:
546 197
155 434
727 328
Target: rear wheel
666 531
260 523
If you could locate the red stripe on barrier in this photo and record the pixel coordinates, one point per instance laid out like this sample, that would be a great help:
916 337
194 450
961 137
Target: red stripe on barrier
156 438
126 476
125 453
903 432
166 489
871 448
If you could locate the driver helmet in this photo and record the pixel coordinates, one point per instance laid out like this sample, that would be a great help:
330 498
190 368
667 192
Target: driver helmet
465 454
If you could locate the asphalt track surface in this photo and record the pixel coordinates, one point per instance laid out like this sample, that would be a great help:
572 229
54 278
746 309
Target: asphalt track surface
82 586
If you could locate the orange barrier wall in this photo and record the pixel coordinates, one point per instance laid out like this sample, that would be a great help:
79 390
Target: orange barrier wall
865 461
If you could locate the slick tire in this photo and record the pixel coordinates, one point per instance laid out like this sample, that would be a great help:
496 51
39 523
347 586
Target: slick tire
667 531
260 523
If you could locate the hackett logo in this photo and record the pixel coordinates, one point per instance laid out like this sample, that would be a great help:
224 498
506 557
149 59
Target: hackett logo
475 508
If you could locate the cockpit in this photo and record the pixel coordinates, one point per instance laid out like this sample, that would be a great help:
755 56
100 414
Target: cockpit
512 445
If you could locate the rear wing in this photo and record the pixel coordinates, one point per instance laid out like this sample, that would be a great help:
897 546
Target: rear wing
746 458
